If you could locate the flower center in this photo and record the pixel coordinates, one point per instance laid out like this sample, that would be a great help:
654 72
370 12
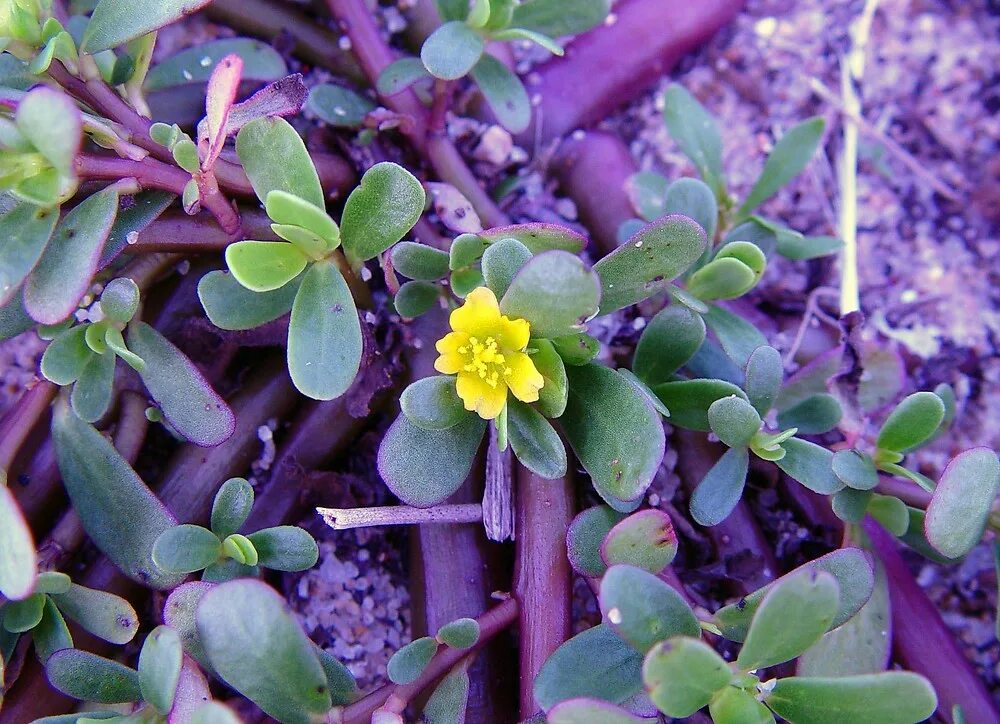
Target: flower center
483 358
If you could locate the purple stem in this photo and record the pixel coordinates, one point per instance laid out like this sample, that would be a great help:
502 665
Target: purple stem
22 418
619 61
922 641
543 577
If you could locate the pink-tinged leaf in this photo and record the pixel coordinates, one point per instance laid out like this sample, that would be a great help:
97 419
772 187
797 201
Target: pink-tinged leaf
284 97
220 96
192 691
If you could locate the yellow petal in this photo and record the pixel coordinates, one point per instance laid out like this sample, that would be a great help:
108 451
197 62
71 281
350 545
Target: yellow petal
514 333
524 380
479 396
450 361
479 316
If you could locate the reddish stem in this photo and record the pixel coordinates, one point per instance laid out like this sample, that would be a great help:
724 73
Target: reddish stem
922 641
23 416
543 577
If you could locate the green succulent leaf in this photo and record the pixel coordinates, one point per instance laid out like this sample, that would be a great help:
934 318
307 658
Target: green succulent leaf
120 514
419 261
103 614
504 92
432 403
646 540
693 198
791 154
285 548
585 537
683 674
450 698
115 22
697 133
265 266
962 500
554 394
791 617
22 616
50 121
261 62
385 206
559 18
339 106
452 50
501 263
815 415
424 467
912 423
850 504
615 432
160 668
855 469
583 710
721 488
892 697
647 192
325 343
416 298
462 633
274 157
811 465
851 567
186 548
261 651
535 442
90 677
400 75
555 292
795 246
738 706
120 300
596 664
407 664
231 507
734 421
288 209
92 392
642 609
764 373
738 337
690 400
26 230
647 262
230 305
179 614
51 634
669 340
538 237
18 563
64 272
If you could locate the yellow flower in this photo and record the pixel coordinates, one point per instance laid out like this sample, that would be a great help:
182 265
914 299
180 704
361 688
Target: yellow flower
486 351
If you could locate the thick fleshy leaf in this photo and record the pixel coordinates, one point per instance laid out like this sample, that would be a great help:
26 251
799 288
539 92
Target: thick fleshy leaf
407 664
22 616
859 646
696 132
795 246
103 614
595 664
555 391
734 421
501 263
790 156
343 687
764 373
261 62
694 199
588 711
256 646
287 209
962 501
646 263
813 416
855 469
63 274
451 51
504 92
791 617
400 75
51 634
14 320
725 278
120 514
615 432
160 668
26 230
851 505
179 613
913 422
274 157
851 567
462 633
682 675
538 237
51 122
186 548
265 266
584 538
18 563
450 698
432 403
642 609
231 506
534 441
555 292
645 539
419 261
416 298
90 677
690 400
381 210
811 465
669 340
424 467
738 706
230 305
339 106
285 548
738 338
721 488
558 18
647 192
186 398
324 334
890 697
115 22
92 391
